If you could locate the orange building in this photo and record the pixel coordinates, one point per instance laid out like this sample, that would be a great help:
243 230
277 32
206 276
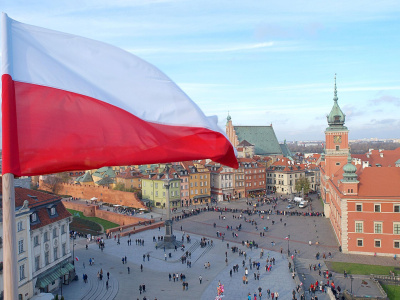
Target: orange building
361 200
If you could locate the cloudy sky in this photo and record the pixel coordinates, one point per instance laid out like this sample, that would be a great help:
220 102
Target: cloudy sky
263 61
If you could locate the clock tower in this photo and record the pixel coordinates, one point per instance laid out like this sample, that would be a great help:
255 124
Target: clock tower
336 139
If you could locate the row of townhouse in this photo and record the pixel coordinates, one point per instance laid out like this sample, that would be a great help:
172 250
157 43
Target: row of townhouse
283 174
43 243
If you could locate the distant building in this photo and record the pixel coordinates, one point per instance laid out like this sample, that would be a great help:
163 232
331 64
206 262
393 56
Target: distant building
263 138
361 199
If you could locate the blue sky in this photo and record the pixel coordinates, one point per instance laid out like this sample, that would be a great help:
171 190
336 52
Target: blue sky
263 61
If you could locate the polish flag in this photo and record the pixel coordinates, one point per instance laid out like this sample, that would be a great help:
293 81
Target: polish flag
71 103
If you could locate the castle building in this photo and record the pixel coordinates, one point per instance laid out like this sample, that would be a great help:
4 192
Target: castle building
362 203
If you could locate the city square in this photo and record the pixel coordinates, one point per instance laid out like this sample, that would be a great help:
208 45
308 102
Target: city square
274 244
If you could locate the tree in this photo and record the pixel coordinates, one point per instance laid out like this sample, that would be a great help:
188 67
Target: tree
302 184
54 182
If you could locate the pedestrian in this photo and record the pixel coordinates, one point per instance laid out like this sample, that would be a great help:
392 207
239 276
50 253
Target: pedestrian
169 277
129 270
144 288
141 268
108 275
276 295
107 284
140 289
200 279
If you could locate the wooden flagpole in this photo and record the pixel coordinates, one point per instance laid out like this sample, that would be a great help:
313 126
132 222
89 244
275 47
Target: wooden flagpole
10 278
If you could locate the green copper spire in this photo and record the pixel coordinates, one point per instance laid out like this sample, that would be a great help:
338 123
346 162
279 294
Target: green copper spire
336 117
228 118
349 171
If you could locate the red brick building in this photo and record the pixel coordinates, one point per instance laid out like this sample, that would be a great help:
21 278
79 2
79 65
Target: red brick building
362 200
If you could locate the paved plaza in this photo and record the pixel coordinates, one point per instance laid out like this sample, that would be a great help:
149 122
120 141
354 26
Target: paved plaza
156 267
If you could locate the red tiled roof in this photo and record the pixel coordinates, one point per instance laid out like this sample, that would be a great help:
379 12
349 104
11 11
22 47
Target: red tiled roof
379 182
388 160
39 202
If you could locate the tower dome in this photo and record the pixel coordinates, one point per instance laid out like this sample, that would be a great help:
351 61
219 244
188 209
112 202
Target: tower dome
349 170
336 117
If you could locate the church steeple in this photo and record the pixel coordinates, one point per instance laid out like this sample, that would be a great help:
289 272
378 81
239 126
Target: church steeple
336 117
228 118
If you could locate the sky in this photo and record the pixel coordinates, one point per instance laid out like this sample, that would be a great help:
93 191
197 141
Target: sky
264 62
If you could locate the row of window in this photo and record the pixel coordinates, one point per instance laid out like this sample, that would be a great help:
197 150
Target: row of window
46 235
378 227
255 184
377 207
378 243
201 176
47 256
255 171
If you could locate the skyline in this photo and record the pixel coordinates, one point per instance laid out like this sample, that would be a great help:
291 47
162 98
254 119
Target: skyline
264 63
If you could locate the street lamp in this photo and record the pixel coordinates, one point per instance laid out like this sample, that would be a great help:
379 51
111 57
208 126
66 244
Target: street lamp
351 283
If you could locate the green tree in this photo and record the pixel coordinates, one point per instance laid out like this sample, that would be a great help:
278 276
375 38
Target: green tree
302 184
120 187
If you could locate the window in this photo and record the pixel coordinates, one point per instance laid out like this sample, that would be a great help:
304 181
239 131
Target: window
46 236
36 240
396 244
156 193
20 246
37 263
33 217
359 226
46 258
360 242
338 163
55 232
156 185
377 227
396 208
337 148
62 229
55 252
19 226
63 249
358 207
377 208
21 272
377 243
52 211
396 228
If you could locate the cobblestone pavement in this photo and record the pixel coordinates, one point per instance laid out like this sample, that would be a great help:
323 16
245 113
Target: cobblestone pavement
155 270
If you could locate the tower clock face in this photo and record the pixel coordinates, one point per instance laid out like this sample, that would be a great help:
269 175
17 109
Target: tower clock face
337 139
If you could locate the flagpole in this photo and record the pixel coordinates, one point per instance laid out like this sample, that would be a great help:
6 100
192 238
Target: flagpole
10 278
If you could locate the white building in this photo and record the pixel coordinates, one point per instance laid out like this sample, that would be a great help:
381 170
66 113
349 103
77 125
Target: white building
43 243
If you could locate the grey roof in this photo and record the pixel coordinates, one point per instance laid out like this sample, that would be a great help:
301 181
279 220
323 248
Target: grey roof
245 143
285 150
87 177
105 181
262 137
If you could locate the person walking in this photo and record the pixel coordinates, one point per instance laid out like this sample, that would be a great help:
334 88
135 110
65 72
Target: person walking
129 270
200 279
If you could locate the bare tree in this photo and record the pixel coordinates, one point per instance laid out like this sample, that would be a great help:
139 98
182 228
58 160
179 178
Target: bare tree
54 182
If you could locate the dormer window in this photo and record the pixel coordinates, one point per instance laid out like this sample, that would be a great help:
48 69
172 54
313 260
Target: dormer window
52 211
34 217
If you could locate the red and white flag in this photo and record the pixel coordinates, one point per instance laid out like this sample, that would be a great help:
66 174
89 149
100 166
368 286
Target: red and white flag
71 103
76 258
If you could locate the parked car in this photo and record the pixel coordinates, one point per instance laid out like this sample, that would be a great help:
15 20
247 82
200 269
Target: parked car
290 206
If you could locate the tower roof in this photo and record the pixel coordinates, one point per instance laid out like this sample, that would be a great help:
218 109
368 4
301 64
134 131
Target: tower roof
349 171
336 117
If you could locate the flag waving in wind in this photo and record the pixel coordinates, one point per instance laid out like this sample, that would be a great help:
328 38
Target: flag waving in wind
71 103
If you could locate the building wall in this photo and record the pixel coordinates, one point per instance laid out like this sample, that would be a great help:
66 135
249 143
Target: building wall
104 194
368 217
90 210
